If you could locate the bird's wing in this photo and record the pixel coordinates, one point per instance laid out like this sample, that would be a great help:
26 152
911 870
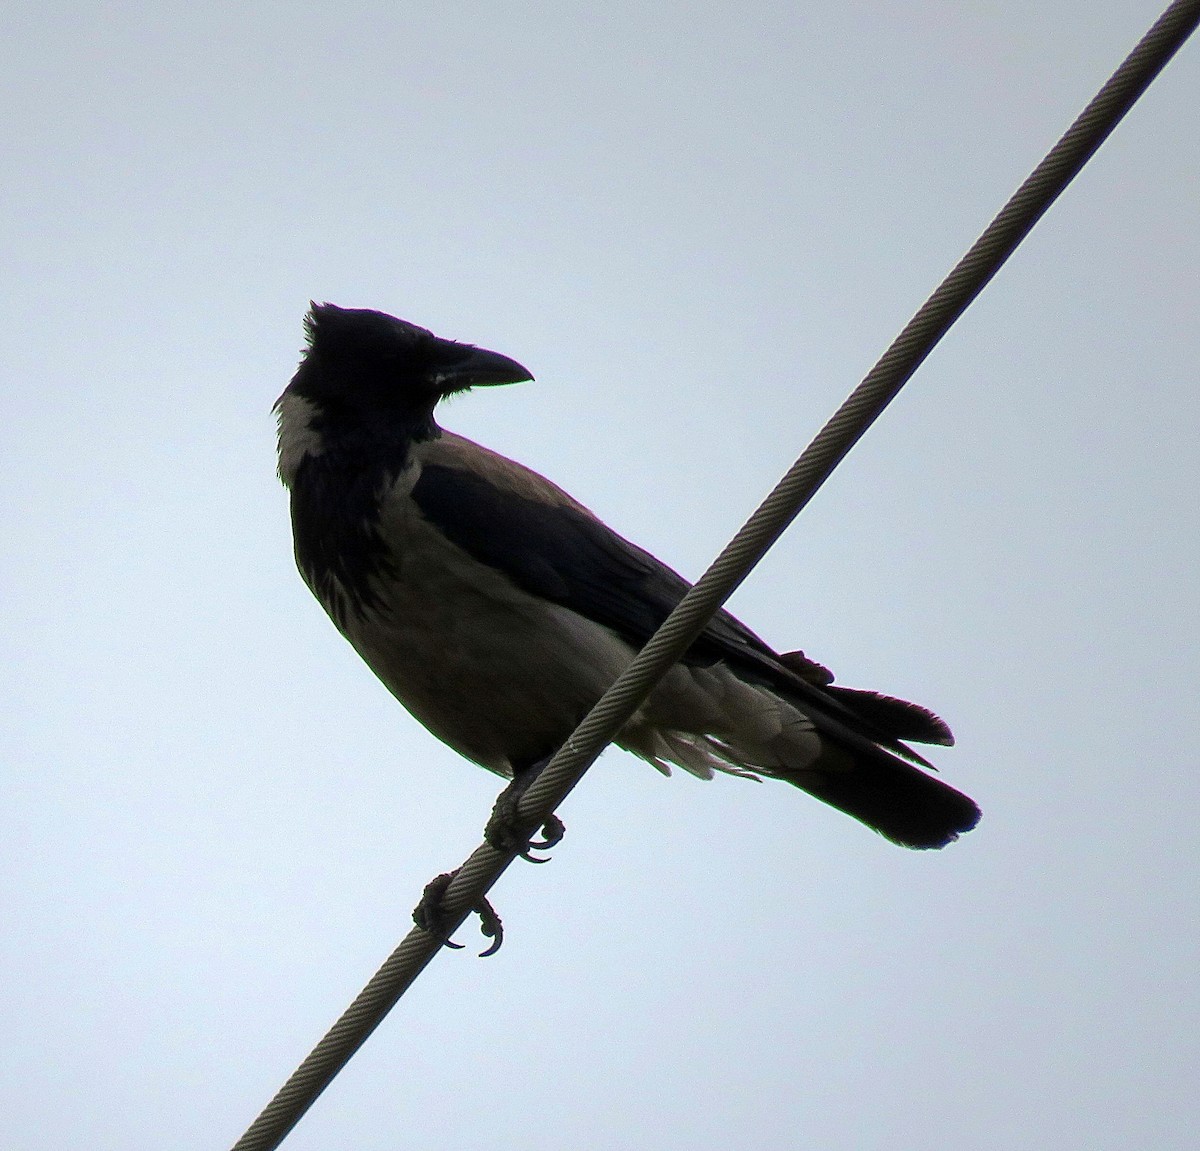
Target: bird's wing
512 519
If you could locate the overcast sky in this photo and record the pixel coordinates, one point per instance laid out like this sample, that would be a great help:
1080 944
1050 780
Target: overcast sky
699 226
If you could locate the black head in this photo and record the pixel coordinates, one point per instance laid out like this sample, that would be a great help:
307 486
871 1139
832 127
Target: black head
369 367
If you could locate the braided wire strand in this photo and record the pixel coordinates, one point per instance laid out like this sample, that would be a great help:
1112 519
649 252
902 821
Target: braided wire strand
848 424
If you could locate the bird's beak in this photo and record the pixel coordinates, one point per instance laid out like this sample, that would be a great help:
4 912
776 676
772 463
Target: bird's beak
460 366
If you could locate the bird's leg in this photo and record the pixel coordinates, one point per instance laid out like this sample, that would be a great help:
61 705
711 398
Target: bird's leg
505 832
430 916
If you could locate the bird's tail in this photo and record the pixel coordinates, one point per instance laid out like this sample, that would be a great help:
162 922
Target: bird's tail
899 800
847 753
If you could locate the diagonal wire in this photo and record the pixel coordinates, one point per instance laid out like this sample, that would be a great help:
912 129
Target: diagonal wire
477 875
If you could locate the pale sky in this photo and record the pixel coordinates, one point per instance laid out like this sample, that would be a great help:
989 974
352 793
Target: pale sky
698 226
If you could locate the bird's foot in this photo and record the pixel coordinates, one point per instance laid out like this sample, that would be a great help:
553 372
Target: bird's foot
506 832
430 916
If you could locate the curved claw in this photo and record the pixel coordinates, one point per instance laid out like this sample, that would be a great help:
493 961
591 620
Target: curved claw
430 918
553 831
490 925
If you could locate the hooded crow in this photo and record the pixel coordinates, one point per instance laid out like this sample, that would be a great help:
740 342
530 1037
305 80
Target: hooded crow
497 609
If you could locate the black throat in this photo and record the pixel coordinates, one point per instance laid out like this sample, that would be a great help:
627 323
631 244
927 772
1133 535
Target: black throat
335 504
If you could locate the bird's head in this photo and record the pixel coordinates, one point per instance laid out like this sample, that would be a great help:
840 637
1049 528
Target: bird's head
365 372
375 364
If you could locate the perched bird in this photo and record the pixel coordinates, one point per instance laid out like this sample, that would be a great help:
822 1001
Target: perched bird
497 609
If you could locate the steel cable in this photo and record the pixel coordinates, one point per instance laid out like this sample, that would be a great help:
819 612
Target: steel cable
477 875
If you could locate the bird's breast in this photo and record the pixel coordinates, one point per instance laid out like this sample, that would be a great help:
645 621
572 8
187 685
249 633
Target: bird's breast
499 674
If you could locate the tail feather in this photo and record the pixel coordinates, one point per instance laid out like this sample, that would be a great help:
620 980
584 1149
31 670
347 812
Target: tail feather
863 772
896 799
843 746
864 776
899 718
